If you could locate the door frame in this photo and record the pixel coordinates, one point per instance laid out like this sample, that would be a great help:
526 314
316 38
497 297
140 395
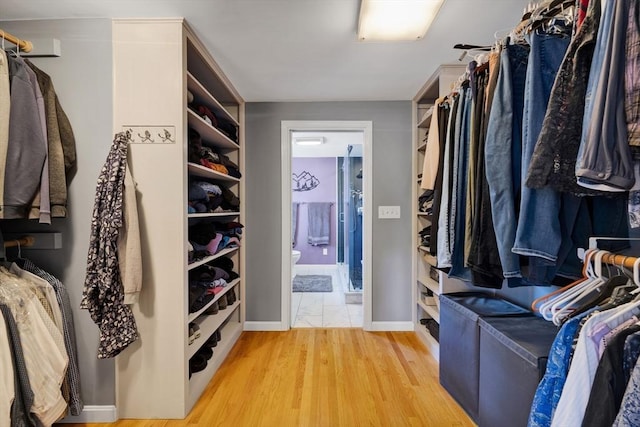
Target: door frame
287 127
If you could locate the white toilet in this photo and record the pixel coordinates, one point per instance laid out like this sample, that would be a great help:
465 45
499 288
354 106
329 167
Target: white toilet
295 256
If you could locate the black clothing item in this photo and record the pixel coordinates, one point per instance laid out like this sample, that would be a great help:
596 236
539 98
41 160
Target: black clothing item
609 383
553 162
195 146
443 120
484 259
425 200
198 297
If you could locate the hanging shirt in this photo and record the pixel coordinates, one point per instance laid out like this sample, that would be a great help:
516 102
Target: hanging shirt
23 401
575 394
69 334
7 392
629 414
608 386
550 387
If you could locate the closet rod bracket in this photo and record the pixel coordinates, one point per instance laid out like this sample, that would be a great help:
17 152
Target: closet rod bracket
43 241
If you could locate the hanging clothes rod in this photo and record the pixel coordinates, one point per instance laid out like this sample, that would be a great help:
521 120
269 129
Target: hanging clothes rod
24 242
23 45
610 258
619 260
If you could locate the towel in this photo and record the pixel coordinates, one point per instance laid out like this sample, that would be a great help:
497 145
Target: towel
294 224
319 221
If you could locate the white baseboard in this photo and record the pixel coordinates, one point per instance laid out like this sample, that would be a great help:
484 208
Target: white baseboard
93 414
391 326
265 326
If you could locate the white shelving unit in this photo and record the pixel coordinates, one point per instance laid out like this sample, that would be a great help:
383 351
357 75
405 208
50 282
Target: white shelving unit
153 374
427 279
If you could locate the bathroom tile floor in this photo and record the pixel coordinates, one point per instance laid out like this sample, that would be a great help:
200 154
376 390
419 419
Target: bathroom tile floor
325 309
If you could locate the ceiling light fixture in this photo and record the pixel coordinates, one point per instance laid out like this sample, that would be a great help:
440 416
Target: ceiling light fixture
318 140
396 19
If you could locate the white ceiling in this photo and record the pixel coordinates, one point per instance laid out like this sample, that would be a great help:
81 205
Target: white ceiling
303 50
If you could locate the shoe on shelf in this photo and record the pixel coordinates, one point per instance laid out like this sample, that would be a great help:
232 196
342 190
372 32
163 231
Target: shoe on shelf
196 330
212 309
197 363
222 303
191 334
231 296
206 352
212 341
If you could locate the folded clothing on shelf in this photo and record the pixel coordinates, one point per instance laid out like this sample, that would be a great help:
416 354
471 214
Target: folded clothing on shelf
210 157
212 237
206 197
425 201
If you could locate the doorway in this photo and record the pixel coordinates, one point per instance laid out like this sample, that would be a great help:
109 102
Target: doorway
326 223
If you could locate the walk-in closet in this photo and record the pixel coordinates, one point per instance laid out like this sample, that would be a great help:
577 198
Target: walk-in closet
250 213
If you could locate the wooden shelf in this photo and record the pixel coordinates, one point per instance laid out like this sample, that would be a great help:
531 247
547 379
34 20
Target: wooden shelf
425 120
429 341
210 135
430 284
203 96
208 325
200 380
422 147
213 214
431 310
212 257
204 172
162 317
427 256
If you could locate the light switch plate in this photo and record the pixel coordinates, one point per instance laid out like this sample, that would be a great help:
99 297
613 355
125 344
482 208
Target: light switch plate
388 212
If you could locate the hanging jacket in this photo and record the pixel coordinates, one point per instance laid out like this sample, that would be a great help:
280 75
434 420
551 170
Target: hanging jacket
61 146
26 152
103 293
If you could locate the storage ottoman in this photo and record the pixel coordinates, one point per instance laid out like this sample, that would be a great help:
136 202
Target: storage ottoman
513 359
460 342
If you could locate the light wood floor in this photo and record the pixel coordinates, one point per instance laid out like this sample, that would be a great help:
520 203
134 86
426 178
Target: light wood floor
322 377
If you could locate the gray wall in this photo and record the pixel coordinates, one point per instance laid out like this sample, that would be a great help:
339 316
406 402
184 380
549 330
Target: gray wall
392 157
82 77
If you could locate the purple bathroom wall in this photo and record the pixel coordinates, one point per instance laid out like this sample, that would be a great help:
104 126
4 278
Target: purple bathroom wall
324 190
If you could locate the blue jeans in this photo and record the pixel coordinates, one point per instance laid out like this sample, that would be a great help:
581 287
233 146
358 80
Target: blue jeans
458 269
539 231
503 152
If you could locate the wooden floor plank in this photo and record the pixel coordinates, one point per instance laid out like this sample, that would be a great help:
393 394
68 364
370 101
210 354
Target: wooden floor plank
322 377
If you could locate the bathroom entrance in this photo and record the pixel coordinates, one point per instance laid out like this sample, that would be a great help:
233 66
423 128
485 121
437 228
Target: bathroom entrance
327 199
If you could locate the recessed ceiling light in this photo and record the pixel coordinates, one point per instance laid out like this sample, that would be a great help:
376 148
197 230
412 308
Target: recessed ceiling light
309 140
396 19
